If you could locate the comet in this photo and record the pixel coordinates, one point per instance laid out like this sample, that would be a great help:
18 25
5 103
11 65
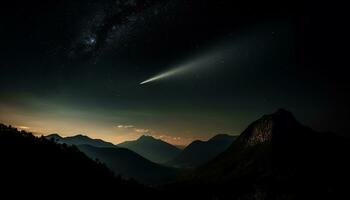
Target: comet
194 65
169 73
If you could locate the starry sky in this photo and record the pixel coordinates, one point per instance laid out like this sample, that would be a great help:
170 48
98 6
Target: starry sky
75 67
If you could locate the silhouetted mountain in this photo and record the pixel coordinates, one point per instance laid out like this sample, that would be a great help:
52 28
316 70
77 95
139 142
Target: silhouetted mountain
40 168
200 152
153 149
80 140
121 161
130 165
56 137
275 158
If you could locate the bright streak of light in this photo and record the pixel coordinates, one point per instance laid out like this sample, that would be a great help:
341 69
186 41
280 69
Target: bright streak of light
166 74
198 63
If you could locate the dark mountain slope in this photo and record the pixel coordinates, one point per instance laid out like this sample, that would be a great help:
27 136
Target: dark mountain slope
153 149
130 165
275 158
200 152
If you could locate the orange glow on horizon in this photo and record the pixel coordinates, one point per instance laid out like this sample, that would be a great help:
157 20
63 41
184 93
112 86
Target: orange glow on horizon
115 138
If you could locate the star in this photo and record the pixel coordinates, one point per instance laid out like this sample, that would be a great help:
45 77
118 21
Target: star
90 40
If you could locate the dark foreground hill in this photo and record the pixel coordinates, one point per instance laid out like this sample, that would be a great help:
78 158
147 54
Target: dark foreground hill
37 167
274 158
200 152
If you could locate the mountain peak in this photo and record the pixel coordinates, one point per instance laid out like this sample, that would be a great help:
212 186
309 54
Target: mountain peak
282 114
146 137
281 122
54 136
80 136
151 148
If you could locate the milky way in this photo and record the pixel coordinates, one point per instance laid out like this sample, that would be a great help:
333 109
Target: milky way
113 25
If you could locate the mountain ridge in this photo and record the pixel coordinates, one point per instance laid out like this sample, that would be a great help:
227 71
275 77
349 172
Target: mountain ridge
151 148
276 157
79 139
121 161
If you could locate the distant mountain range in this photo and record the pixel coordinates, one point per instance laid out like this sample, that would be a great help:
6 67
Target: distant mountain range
275 157
155 150
80 140
200 152
133 158
121 161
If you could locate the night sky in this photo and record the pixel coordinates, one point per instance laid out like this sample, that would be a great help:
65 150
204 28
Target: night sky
72 67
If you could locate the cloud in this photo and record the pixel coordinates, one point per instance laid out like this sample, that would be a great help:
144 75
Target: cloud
131 129
176 138
139 130
125 126
22 127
